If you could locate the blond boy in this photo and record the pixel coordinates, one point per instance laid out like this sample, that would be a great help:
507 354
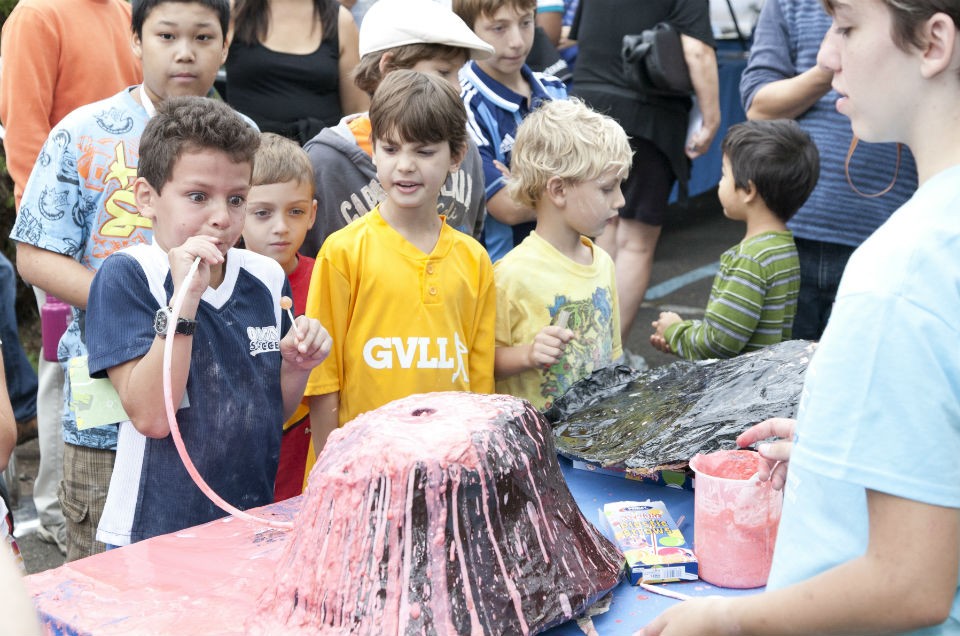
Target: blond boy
280 211
557 310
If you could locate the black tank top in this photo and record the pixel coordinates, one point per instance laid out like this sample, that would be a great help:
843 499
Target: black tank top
289 94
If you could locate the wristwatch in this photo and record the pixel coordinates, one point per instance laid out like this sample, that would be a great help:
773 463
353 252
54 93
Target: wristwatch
185 326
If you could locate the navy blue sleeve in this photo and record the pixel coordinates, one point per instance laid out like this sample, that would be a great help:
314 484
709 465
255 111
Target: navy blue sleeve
120 313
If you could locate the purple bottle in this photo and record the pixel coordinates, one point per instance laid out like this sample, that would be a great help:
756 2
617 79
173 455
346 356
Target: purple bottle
54 317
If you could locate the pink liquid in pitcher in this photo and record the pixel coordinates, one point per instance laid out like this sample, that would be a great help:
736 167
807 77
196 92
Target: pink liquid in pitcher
735 520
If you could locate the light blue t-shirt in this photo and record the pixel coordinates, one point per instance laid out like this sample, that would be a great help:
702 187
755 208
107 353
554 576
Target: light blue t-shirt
880 408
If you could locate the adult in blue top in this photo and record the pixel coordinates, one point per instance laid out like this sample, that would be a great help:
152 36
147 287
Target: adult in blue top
782 80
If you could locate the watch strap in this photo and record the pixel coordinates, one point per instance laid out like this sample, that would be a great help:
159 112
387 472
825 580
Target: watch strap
185 326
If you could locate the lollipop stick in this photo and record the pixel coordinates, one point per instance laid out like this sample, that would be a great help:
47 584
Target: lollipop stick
664 592
287 304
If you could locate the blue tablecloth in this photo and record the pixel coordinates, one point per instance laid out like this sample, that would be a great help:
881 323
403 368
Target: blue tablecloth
632 606
205 579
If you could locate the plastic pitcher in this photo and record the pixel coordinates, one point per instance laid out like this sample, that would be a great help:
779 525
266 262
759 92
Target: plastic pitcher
735 519
55 316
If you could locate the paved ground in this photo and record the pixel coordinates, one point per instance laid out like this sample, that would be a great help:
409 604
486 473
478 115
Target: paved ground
689 248
37 555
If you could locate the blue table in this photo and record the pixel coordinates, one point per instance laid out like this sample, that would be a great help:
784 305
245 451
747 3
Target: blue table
632 606
205 579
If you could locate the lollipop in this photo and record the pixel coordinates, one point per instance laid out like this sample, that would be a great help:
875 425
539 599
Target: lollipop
286 304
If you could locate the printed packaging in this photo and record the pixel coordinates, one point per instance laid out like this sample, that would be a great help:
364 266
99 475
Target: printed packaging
647 535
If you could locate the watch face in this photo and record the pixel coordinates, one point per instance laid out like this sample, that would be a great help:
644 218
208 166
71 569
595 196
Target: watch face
160 324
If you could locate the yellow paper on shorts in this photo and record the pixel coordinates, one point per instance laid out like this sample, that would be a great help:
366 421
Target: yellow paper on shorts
94 401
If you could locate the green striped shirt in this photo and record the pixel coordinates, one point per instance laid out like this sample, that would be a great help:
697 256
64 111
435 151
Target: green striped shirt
752 302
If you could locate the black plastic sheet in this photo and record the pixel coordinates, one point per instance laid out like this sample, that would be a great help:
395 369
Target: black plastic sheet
646 421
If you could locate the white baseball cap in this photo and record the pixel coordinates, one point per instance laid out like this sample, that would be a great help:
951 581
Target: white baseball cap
392 23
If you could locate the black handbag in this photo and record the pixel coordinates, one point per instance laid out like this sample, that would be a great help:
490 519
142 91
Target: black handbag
653 62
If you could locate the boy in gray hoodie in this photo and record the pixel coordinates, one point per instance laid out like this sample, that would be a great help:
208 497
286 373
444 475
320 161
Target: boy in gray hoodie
420 35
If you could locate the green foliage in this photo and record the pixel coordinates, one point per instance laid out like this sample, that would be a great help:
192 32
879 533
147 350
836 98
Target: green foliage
26 303
6 6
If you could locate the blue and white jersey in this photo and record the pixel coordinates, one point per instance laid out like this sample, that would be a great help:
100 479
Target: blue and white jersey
550 6
493 114
232 416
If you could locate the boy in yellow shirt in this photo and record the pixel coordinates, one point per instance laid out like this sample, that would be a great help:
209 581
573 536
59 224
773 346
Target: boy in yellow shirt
409 301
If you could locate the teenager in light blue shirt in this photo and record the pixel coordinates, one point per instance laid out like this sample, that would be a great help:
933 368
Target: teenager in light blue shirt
869 540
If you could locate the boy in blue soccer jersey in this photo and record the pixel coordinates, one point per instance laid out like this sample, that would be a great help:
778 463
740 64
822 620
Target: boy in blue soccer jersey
499 92
193 179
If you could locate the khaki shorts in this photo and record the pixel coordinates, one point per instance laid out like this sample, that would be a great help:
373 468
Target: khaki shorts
83 493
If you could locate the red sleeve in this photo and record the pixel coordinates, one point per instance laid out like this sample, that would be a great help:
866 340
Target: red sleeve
300 283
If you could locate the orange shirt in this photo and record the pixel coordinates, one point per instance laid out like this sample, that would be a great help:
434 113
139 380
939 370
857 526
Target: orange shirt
58 56
361 129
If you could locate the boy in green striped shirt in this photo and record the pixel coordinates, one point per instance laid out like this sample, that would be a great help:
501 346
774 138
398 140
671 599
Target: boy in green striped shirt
769 170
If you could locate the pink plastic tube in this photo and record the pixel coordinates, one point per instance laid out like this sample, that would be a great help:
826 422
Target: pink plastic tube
175 428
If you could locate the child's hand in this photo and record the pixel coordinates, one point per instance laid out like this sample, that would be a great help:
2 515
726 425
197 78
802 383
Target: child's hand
308 350
660 343
659 339
181 259
707 616
775 454
504 170
548 346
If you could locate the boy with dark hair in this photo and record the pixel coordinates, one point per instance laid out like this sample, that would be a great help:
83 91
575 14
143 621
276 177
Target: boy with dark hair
568 164
78 208
498 93
192 183
421 35
769 169
280 211
410 302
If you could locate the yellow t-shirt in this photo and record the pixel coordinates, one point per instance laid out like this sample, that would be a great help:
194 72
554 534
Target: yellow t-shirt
402 321
534 283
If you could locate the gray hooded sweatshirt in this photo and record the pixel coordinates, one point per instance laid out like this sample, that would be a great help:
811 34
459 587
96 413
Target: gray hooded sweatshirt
347 186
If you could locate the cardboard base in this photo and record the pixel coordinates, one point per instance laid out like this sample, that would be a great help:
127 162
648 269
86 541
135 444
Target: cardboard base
203 580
